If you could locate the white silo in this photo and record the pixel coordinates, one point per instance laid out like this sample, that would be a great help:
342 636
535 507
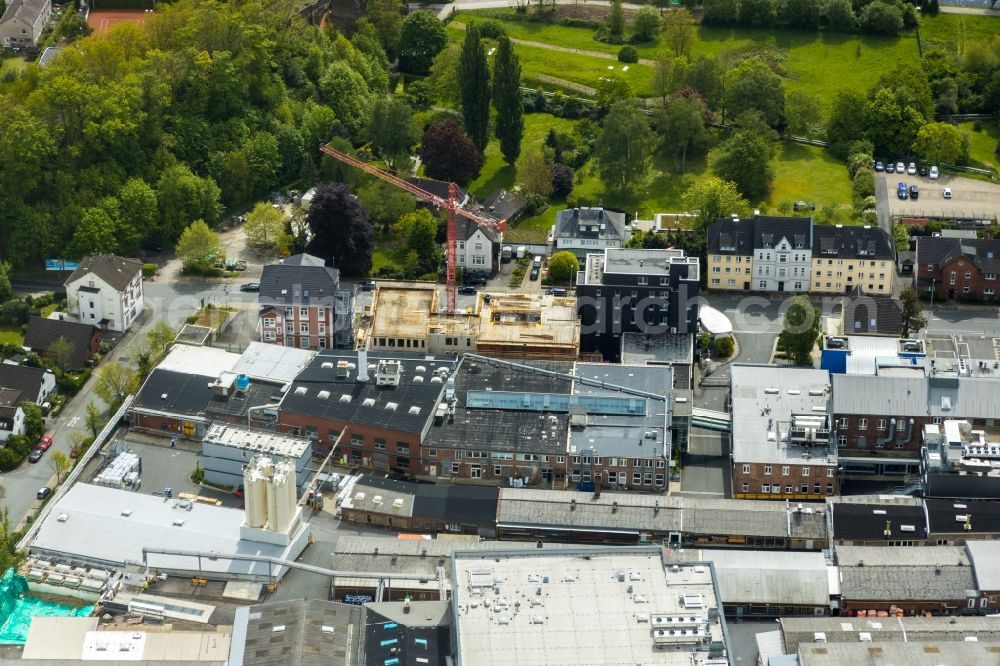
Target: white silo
281 497
255 498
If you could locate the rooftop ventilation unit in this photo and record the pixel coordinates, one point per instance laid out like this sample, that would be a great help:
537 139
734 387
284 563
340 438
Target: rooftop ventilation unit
301 390
344 397
368 402
391 406
323 395
414 410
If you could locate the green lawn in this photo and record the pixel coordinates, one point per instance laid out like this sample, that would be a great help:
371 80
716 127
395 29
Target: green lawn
11 336
982 144
957 29
808 173
393 257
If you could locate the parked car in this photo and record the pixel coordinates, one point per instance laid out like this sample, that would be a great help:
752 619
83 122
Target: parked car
912 169
534 273
900 167
946 193
35 455
934 172
879 166
902 191
538 260
556 291
914 192
890 168
804 205
467 289
922 171
252 286
43 492
45 443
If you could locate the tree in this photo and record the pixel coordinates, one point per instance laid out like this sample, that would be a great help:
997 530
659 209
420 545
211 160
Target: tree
562 180
646 24
712 199
744 159
753 86
900 238
800 330
679 33
138 207
534 174
420 230
183 198
804 14
507 100
891 127
392 130
385 203
757 12
724 347
34 421
913 312
342 234
60 353
881 17
94 419
846 122
941 143
443 78
6 291
387 18
681 127
474 82
803 114
612 88
447 154
60 464
348 94
421 37
623 147
840 15
159 339
265 227
563 266
720 12
199 248
616 22
115 382
95 234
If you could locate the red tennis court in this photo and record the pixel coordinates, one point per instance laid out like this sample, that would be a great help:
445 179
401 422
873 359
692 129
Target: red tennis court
101 20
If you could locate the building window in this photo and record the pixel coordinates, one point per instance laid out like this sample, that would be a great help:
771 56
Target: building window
767 469
788 490
715 281
766 488
990 276
745 487
829 473
432 453
402 449
805 471
965 289
829 489
784 470
455 467
746 469
636 479
304 328
951 278
357 440
659 481
476 472
862 424
968 275
881 424
497 470
804 488
380 444
643 280
842 441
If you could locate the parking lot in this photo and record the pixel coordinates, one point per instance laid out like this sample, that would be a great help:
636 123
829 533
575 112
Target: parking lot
963 346
971 199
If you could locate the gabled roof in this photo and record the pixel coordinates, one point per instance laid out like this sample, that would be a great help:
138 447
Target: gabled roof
983 253
41 333
10 401
875 315
731 236
438 188
504 204
465 228
24 378
26 11
851 242
116 271
769 230
590 223
312 633
301 279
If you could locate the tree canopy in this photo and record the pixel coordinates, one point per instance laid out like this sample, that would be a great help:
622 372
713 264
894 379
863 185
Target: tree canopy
624 146
341 231
448 154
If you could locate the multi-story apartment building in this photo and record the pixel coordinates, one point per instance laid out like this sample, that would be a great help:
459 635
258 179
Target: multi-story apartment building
106 291
302 305
635 291
782 444
730 254
782 254
845 257
586 230
958 267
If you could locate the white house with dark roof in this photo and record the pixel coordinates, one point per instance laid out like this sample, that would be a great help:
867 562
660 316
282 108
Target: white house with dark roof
589 230
106 291
782 254
21 24
478 249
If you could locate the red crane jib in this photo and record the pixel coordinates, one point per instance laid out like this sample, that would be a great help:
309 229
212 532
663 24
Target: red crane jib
451 204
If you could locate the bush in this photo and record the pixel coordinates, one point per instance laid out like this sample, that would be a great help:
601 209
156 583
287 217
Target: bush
71 384
562 180
628 54
646 24
882 18
10 459
536 203
14 313
148 270
491 29
863 185
20 444
724 347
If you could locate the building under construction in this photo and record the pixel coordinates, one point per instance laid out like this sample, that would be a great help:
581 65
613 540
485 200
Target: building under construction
522 326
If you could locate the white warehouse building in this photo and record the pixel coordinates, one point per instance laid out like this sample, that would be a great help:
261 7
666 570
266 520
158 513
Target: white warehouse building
226 450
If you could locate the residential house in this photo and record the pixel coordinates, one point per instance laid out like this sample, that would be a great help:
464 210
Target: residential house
635 291
782 253
583 231
504 205
22 23
782 444
863 314
34 384
302 305
379 405
958 267
478 248
845 257
106 291
83 339
11 413
730 252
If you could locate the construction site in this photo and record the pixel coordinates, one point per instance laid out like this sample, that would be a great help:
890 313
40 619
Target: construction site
524 326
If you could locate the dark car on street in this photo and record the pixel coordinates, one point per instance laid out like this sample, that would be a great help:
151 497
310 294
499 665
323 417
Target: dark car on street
252 286
467 289
35 455
534 273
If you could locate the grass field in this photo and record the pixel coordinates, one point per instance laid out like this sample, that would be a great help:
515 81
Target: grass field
11 336
955 30
982 144
393 257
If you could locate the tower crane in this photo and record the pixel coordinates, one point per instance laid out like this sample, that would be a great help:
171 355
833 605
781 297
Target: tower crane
451 204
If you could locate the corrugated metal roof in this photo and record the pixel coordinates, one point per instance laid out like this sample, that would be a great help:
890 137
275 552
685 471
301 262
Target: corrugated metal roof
985 557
